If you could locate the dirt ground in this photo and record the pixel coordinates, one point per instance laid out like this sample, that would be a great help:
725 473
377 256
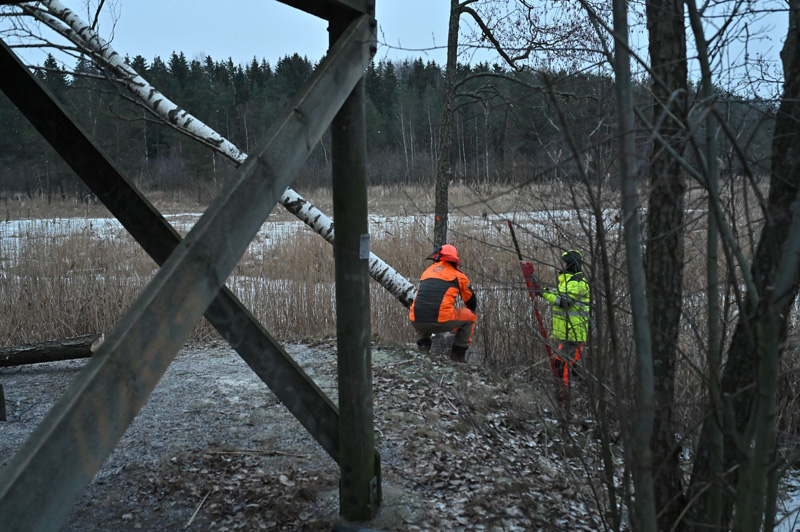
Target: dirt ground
213 449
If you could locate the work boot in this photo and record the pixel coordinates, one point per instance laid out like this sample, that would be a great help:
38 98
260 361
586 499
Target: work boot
563 394
459 353
424 345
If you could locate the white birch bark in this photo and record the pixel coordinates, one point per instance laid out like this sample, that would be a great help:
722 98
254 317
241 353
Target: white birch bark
67 23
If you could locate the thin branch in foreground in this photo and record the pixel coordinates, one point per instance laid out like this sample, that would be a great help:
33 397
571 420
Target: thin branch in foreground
191 520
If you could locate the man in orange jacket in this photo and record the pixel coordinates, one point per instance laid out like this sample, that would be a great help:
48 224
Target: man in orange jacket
434 310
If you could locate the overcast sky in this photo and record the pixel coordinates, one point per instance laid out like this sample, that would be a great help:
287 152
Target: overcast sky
267 29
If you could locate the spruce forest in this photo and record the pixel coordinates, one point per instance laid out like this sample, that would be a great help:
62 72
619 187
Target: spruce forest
505 126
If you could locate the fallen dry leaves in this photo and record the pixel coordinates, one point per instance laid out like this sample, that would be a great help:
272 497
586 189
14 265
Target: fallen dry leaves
479 452
461 449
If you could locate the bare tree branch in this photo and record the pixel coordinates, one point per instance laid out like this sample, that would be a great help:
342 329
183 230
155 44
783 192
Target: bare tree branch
97 14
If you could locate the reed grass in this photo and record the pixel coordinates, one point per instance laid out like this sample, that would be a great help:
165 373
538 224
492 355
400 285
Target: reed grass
54 286
60 286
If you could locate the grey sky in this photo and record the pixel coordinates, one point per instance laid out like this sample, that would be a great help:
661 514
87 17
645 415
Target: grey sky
267 29
242 29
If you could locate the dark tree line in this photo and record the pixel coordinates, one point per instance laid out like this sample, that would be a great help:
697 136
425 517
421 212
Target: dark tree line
504 128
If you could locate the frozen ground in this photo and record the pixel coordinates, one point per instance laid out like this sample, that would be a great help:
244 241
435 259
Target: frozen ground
213 449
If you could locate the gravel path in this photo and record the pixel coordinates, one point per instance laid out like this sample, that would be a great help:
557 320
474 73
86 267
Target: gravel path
212 449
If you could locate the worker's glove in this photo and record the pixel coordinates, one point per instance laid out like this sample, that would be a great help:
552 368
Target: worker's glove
537 289
563 301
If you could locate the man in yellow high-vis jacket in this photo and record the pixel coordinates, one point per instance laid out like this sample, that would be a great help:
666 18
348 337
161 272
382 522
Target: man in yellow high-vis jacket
570 312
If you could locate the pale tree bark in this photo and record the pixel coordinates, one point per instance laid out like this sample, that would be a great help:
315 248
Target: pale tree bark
664 255
68 24
749 383
644 505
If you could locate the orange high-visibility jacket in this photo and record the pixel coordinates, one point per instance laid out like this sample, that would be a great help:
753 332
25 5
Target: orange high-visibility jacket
439 287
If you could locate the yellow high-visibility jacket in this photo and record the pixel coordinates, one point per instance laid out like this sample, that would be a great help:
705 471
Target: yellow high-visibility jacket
570 307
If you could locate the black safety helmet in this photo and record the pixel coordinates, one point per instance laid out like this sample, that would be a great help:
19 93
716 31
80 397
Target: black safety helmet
573 259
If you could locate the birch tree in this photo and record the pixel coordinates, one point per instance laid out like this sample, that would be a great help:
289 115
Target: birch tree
85 39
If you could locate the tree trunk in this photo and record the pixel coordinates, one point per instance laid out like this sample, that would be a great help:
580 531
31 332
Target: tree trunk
486 141
665 243
444 166
405 147
710 508
642 464
68 349
750 374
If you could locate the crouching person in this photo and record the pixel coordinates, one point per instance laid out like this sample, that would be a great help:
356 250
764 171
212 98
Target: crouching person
434 309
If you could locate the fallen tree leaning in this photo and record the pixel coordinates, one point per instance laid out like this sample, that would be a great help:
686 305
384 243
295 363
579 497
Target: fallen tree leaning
68 24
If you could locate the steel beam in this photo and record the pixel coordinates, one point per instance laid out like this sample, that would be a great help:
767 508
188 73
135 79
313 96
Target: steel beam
69 446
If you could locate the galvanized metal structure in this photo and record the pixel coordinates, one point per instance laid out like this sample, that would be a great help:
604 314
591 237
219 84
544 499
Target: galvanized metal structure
42 482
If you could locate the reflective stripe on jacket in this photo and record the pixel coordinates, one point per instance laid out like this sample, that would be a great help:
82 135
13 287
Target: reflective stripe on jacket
570 322
439 287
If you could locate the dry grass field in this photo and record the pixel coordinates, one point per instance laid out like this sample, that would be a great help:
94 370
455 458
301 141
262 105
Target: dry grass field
59 282
66 271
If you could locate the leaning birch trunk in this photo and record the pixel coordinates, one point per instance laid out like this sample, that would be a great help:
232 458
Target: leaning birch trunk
86 39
